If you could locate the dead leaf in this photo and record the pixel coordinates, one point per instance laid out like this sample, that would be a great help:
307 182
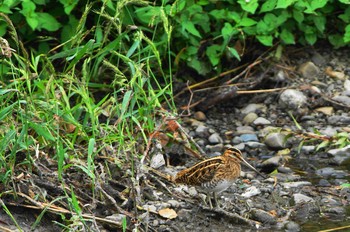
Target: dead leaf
167 213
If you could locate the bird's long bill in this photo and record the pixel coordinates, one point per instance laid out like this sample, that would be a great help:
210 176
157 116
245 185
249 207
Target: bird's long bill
251 167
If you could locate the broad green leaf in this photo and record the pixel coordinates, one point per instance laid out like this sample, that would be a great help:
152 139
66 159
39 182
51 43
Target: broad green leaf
227 31
265 39
68 5
320 22
347 34
39 2
311 38
345 1
287 37
247 22
313 5
48 22
336 40
298 16
201 67
28 11
5 9
234 53
269 5
284 3
189 26
214 53
42 131
249 6
346 16
219 14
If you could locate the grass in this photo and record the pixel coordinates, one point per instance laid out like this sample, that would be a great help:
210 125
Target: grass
99 96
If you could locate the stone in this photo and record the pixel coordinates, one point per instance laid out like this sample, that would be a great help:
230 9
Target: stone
292 99
276 140
308 149
296 184
157 161
215 148
200 116
291 226
331 172
253 108
215 138
318 59
202 131
301 198
245 130
261 121
342 99
338 119
249 118
341 156
327 110
347 85
271 163
249 137
253 144
263 216
250 192
308 70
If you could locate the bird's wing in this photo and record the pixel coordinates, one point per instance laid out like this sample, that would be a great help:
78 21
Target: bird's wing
200 173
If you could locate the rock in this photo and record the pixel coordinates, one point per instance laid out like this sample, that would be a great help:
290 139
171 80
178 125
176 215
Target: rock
200 116
324 183
248 137
327 110
318 59
292 99
157 161
347 85
253 108
271 164
342 99
245 130
202 131
215 148
249 118
329 131
337 119
308 149
254 144
308 70
296 184
261 121
291 226
251 191
215 138
284 170
276 140
301 198
263 216
341 156
174 203
331 172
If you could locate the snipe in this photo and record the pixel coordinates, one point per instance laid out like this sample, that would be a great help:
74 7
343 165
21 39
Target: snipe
216 174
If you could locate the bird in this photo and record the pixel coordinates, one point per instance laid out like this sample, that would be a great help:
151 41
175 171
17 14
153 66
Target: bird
214 175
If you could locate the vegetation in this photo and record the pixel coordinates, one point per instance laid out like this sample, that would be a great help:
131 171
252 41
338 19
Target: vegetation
83 84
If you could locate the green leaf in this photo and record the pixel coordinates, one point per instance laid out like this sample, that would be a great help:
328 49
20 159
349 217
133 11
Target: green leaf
265 39
284 3
68 5
219 14
189 26
269 5
324 144
346 16
320 22
214 53
28 11
311 38
336 40
5 9
48 22
313 5
249 6
287 37
298 16
345 1
234 53
42 131
247 22
347 34
227 31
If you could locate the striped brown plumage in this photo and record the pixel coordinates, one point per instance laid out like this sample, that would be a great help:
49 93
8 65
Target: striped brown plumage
216 174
